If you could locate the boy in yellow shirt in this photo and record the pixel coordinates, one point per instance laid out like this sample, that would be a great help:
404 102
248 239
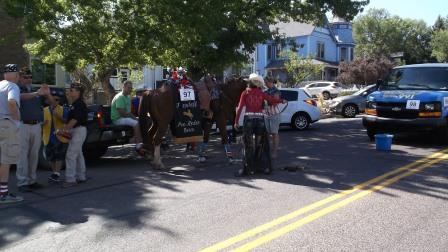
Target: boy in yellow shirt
55 144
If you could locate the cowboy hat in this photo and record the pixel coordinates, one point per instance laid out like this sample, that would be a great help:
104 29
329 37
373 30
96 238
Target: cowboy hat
255 79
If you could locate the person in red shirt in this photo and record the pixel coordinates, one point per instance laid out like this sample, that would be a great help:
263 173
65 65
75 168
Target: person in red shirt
252 99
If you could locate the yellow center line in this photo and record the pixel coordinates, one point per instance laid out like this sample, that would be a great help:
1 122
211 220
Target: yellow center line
297 224
252 232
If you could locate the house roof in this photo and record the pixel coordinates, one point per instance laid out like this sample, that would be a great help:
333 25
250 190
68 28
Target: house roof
293 29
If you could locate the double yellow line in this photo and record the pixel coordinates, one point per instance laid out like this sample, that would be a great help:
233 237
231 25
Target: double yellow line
367 187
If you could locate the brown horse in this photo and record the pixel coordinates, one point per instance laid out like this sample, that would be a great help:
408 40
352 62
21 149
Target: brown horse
158 106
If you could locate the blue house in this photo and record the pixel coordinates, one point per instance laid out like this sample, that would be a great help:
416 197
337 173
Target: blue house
327 45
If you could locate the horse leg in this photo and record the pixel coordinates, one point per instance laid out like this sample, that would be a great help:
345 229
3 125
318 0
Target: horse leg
206 127
221 123
157 161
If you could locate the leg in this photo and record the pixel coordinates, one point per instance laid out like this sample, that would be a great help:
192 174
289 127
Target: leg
71 160
22 166
137 134
35 143
275 143
221 123
157 162
81 164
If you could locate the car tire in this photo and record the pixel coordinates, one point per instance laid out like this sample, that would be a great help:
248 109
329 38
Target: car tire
300 121
326 95
350 110
442 135
95 154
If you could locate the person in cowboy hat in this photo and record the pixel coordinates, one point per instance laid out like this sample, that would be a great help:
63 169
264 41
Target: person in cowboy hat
252 98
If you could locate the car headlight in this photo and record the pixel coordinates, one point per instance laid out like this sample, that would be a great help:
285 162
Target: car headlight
430 107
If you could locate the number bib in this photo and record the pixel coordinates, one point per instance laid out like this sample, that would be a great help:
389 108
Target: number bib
186 94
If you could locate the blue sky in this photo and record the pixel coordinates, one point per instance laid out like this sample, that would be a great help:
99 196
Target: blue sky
427 10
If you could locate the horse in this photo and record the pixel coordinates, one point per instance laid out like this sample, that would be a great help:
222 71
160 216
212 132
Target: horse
158 106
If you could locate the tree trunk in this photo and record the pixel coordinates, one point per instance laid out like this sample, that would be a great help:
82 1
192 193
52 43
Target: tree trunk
104 80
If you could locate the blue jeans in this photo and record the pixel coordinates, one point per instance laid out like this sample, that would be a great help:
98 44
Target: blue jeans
252 125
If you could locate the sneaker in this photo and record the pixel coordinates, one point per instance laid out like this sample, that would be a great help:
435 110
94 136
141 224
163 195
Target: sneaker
25 189
10 198
80 181
69 184
54 178
35 186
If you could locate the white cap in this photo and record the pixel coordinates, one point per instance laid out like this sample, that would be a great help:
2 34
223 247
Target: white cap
256 79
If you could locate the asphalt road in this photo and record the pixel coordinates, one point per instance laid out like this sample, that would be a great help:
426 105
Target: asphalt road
337 203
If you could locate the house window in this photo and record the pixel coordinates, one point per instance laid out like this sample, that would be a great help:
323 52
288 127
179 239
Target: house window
344 54
269 52
43 73
320 50
352 53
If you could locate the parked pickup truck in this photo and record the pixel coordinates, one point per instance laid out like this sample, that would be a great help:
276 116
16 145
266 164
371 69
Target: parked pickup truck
101 133
413 98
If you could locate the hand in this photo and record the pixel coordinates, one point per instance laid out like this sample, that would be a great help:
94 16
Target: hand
44 90
45 123
236 126
284 101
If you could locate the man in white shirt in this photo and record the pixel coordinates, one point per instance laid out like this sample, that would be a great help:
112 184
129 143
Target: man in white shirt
9 129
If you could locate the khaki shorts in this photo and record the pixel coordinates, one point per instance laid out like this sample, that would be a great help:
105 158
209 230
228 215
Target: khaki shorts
272 124
9 142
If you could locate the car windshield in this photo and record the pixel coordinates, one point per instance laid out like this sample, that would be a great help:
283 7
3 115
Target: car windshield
418 78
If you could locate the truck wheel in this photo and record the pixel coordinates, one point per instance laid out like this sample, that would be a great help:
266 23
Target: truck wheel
94 154
442 135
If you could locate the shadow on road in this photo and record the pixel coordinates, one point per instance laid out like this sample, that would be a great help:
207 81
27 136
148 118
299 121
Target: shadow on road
336 153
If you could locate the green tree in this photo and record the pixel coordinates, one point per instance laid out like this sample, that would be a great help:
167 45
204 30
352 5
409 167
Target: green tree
299 68
204 36
377 34
440 24
439 45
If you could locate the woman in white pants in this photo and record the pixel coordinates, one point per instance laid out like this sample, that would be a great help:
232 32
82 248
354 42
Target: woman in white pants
75 166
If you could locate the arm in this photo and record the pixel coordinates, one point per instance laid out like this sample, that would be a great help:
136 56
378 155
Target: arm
59 117
12 106
272 100
28 96
241 104
124 114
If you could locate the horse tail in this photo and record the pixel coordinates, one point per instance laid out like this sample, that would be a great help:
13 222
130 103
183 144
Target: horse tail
143 119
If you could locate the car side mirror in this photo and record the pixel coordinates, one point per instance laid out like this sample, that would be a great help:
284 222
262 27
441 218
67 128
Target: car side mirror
379 83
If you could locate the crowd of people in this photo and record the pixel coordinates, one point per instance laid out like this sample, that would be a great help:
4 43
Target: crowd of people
29 118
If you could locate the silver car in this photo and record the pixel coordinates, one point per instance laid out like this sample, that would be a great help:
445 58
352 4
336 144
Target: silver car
351 105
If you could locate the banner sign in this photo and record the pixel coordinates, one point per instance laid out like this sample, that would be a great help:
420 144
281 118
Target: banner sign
187 121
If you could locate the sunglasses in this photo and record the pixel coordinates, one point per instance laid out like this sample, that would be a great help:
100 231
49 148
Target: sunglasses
27 77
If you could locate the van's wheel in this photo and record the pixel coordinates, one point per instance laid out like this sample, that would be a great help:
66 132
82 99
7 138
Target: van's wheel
442 135
94 154
300 121
349 110
326 95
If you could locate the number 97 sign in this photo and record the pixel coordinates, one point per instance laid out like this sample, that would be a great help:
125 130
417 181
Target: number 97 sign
186 94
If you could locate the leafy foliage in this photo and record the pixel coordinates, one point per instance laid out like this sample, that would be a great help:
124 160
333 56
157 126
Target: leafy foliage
377 34
204 36
364 71
439 45
299 68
